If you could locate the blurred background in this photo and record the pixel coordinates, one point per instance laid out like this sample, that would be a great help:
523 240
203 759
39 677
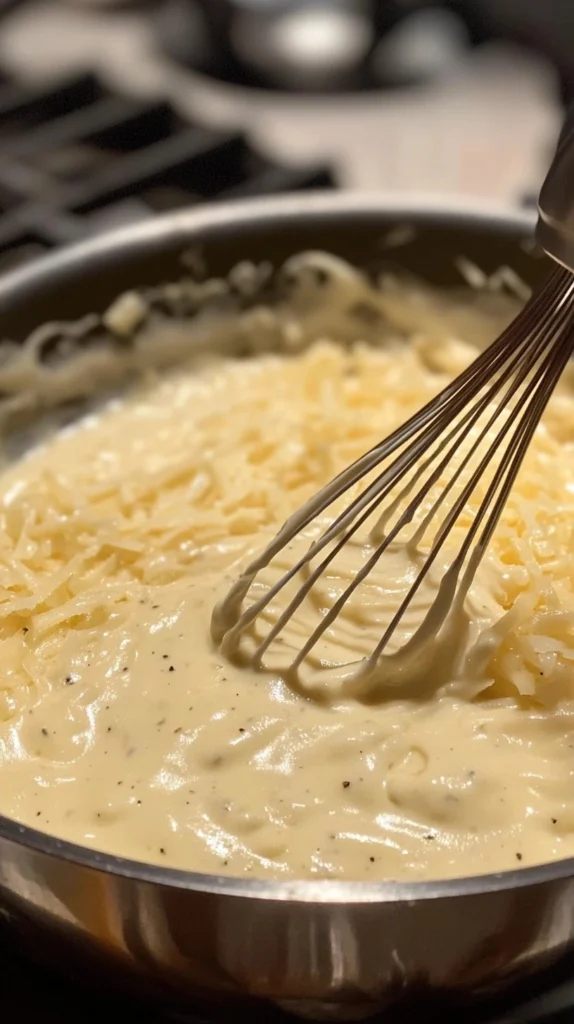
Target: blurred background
111 111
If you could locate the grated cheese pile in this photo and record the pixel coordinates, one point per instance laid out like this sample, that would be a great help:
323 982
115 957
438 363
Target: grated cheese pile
210 464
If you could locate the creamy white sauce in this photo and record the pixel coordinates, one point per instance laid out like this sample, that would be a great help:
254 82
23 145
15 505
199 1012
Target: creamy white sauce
124 727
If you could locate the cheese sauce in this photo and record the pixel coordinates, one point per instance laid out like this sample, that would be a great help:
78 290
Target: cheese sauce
124 728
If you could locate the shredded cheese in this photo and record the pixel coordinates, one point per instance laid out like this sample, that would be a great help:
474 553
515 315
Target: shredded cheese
217 459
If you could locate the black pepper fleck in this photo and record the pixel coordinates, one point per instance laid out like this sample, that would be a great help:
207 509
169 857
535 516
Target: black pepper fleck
25 629
161 849
171 668
346 785
519 856
372 860
554 820
44 732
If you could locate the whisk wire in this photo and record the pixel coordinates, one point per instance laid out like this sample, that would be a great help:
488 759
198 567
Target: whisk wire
491 359
512 460
511 381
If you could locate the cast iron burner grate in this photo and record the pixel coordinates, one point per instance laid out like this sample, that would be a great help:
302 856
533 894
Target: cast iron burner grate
79 157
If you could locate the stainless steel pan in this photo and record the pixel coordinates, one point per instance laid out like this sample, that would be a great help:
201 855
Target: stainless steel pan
320 949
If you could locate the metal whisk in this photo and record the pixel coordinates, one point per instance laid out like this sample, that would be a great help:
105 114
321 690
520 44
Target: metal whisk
473 435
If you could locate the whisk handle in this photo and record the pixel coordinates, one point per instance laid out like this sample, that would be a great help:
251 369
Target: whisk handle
555 229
